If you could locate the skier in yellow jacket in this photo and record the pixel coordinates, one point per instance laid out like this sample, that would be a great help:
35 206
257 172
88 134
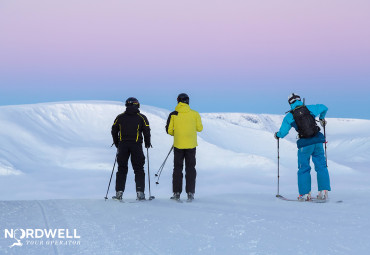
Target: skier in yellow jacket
183 124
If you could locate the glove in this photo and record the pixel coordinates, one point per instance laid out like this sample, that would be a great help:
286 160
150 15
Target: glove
148 145
322 122
276 137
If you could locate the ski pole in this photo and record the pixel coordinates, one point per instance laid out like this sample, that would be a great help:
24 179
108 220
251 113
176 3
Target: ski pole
326 156
160 168
158 174
150 194
278 182
106 196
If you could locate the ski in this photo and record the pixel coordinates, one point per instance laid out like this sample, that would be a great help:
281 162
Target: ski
115 199
176 200
131 201
118 200
313 200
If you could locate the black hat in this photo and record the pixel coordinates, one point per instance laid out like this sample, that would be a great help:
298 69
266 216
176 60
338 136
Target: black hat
293 97
183 98
132 101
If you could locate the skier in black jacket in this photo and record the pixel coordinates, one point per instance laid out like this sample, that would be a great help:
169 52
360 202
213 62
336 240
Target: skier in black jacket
127 136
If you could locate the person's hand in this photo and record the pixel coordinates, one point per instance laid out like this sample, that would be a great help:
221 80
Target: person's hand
276 136
148 145
322 122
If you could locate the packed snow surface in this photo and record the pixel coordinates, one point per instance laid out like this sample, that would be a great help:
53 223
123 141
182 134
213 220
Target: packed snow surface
56 160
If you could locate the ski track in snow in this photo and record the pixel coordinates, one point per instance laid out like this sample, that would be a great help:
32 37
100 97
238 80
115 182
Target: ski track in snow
47 225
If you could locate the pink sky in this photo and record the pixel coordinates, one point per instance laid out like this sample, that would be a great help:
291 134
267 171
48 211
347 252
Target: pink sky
189 37
216 43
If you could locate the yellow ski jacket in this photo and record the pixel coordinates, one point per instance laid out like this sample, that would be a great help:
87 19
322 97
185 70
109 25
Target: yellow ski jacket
183 124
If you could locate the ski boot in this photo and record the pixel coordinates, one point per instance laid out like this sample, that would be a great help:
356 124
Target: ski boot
176 196
118 196
190 197
140 195
323 195
305 197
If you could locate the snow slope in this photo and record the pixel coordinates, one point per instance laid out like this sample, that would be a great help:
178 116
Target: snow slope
61 152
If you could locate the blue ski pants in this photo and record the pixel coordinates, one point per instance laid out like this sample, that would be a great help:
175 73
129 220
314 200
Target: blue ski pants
304 168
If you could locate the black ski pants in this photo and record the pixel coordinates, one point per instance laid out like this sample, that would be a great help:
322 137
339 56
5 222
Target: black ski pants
190 172
135 150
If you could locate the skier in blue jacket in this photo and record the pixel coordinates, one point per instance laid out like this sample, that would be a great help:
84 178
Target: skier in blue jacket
310 143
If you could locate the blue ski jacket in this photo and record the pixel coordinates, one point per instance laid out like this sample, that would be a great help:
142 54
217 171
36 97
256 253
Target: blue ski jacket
288 122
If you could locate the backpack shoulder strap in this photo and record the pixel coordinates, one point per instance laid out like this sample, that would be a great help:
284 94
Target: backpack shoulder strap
298 107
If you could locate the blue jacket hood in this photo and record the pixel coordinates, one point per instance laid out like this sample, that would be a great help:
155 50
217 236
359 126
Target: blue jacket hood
296 104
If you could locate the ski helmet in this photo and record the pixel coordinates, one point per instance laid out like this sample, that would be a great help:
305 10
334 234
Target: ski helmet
132 101
183 98
293 97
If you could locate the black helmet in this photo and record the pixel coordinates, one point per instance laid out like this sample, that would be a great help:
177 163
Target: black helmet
132 101
183 98
293 97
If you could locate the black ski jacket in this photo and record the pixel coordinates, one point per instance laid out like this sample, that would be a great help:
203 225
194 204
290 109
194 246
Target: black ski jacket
129 126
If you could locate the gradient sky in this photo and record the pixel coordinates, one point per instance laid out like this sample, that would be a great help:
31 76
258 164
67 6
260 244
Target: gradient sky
228 55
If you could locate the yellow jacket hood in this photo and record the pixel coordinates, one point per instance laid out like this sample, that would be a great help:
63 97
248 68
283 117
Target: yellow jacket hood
182 107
